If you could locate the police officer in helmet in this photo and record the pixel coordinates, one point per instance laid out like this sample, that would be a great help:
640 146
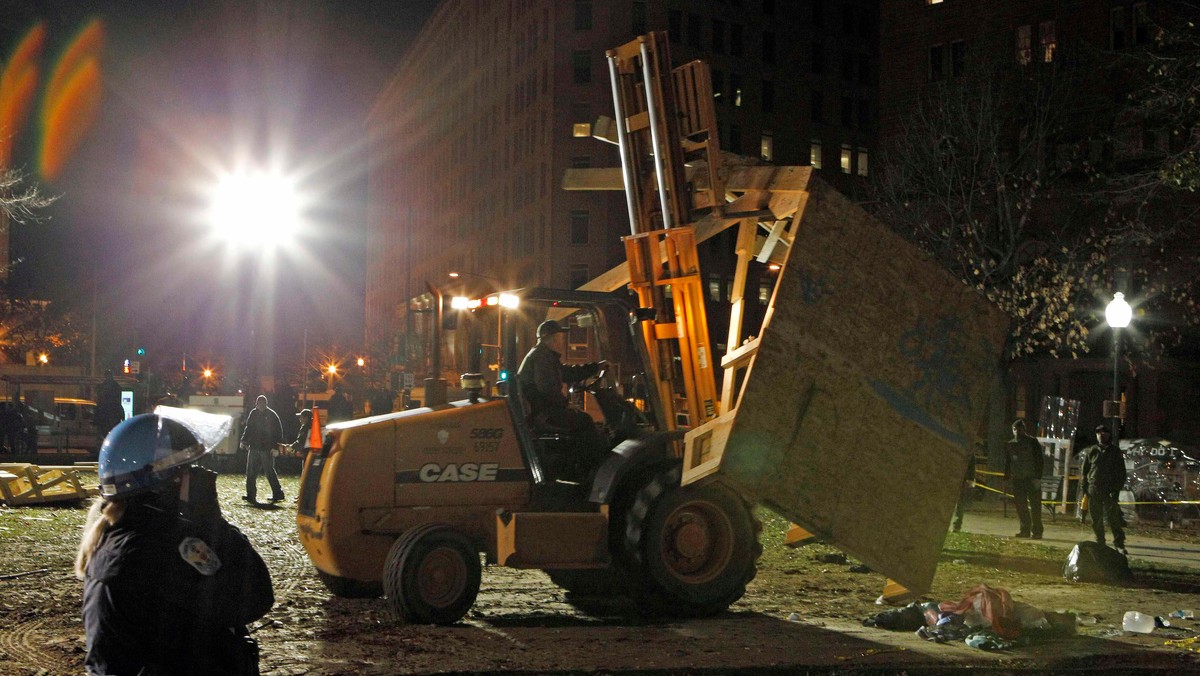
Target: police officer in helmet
169 585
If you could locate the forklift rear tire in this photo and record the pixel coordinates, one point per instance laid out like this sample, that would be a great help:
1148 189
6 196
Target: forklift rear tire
346 588
432 575
695 547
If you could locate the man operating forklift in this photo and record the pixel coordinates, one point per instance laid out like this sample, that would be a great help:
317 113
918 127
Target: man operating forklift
541 377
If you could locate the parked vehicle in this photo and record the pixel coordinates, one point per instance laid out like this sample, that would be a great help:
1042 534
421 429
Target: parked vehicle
69 425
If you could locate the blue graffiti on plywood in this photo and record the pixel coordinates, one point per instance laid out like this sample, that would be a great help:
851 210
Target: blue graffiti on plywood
936 349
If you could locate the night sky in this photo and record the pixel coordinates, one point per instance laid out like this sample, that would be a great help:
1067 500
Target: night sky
190 90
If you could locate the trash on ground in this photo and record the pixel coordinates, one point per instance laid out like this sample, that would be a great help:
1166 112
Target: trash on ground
985 618
1192 644
1183 614
1094 562
1139 623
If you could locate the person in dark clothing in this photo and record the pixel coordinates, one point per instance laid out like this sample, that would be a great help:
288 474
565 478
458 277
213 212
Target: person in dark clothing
339 406
260 435
301 442
1023 464
541 377
108 405
1103 477
12 424
169 585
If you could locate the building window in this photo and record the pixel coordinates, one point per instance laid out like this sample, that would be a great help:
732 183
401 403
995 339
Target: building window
766 146
764 293
581 62
768 96
737 43
864 114
768 47
847 158
933 2
814 153
935 63
958 57
675 25
714 288
818 59
581 221
693 32
1141 24
718 36
818 107
862 161
735 89
578 275
1024 45
847 112
1048 40
583 15
1116 28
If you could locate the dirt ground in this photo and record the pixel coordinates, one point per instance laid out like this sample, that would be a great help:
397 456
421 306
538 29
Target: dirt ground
803 612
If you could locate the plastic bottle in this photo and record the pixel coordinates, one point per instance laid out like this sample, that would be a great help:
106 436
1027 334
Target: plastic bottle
1183 614
1138 622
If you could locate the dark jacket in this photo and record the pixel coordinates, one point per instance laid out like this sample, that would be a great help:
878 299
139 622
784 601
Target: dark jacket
263 430
1023 458
147 608
1103 469
542 374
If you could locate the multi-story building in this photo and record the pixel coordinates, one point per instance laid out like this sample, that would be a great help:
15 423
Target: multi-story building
470 139
929 44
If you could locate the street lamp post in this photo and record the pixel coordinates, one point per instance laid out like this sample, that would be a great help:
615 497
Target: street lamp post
1118 313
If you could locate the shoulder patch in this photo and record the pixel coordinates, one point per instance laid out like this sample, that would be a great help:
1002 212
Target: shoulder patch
199 555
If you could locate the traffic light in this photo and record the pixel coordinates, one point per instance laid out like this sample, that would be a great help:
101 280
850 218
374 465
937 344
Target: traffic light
126 368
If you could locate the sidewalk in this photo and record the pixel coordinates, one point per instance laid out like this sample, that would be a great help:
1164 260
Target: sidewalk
1065 532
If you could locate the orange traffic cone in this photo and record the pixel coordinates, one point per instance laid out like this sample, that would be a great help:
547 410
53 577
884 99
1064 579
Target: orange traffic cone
314 433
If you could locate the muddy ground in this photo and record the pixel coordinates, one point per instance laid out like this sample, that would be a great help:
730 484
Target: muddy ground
803 612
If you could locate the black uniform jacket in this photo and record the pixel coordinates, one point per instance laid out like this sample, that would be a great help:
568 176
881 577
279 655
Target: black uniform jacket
156 602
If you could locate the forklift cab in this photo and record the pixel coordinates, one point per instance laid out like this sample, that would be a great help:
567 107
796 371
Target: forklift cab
599 328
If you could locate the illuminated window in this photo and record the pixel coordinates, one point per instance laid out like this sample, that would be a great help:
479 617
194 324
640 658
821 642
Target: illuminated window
1048 40
933 2
764 293
814 153
862 161
1024 45
847 158
766 146
735 89
714 288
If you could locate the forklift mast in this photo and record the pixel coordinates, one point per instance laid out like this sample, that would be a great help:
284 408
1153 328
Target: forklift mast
665 118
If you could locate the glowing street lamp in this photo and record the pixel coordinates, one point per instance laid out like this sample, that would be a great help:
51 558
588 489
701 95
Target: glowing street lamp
332 370
1117 314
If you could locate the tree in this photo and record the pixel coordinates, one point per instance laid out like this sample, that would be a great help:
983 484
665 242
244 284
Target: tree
994 173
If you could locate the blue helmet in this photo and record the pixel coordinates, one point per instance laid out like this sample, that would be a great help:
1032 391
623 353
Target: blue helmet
143 452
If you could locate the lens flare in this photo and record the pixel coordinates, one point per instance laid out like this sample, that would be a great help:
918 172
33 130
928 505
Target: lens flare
18 82
72 99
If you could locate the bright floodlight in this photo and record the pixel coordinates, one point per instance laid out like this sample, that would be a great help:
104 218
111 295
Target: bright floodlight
1118 313
255 209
